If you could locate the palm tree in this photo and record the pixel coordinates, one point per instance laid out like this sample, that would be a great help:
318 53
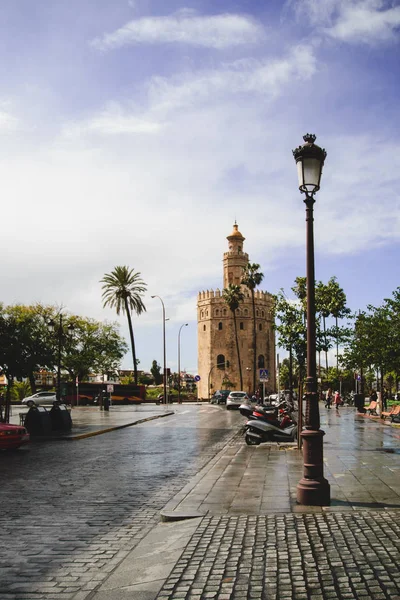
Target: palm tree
251 278
233 296
122 290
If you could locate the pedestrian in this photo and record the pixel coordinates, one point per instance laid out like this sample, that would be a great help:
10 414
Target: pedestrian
337 400
328 398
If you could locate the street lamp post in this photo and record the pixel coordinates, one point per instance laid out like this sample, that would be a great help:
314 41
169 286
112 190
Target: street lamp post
58 328
179 361
164 352
313 489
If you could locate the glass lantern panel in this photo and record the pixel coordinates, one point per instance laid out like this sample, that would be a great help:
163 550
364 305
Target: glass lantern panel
300 173
312 171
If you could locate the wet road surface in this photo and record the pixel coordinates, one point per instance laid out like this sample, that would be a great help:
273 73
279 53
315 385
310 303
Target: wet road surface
70 511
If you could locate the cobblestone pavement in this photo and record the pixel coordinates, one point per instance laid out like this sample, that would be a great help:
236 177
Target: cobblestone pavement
290 557
72 511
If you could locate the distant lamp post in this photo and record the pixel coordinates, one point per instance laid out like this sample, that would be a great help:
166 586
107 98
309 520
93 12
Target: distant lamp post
57 326
165 398
179 361
313 489
220 365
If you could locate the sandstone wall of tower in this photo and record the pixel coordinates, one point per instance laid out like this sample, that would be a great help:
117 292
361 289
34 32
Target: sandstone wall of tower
216 333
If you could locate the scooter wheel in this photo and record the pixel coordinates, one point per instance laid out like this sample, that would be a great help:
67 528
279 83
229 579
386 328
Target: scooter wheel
250 441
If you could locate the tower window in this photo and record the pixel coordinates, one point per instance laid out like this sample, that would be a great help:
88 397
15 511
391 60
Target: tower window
224 312
261 361
220 326
241 326
262 313
246 312
217 313
202 314
220 361
260 327
204 327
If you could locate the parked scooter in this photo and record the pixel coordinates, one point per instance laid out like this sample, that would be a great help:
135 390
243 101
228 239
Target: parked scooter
258 431
279 416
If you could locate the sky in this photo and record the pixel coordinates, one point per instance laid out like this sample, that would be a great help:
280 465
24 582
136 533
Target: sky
135 132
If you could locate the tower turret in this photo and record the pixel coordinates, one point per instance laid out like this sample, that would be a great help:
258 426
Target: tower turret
235 259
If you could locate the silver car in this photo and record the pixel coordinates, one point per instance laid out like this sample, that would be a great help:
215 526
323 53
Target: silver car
40 399
235 399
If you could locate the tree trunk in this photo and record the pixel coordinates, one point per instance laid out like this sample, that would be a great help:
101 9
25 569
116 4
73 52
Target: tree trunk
337 348
290 374
128 314
32 382
237 350
7 407
254 340
326 347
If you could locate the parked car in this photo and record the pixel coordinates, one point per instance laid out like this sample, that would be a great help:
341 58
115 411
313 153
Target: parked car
219 397
40 399
235 399
12 436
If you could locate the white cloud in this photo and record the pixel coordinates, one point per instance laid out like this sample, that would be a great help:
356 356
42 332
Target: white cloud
267 77
112 121
353 21
367 22
8 122
215 31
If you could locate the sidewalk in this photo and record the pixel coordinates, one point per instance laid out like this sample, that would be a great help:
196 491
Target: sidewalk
88 421
244 537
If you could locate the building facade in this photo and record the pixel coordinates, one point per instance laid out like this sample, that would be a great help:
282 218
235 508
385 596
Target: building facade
218 364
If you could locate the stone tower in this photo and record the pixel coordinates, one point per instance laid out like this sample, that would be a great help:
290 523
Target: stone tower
216 335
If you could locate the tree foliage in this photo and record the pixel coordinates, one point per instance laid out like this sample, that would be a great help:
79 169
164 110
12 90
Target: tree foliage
123 290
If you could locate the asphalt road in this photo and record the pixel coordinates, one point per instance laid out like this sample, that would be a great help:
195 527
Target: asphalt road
70 511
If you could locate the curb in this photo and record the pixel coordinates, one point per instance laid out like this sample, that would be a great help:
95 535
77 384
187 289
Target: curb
168 513
82 436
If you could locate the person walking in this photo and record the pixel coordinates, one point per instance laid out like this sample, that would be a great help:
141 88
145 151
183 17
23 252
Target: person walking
337 400
328 398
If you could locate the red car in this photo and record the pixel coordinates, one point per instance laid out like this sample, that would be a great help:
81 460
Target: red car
12 436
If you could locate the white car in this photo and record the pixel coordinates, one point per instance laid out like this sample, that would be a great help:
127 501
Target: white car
235 399
41 398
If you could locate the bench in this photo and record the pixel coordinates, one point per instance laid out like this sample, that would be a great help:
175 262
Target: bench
371 408
395 410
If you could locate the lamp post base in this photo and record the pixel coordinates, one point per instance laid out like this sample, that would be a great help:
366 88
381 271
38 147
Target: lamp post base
313 489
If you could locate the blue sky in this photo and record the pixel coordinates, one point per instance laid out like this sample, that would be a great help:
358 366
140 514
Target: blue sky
136 131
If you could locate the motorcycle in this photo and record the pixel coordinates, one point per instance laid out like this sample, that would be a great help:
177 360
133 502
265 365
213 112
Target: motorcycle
279 416
258 431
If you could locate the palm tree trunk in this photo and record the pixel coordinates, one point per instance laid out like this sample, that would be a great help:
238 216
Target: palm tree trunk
237 350
254 341
128 314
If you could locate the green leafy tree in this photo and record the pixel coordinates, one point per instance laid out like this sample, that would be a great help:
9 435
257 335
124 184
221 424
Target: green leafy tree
233 296
92 347
289 324
123 290
338 310
251 278
156 372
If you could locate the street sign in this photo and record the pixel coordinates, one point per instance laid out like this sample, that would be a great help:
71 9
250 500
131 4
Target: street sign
110 388
197 377
263 375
